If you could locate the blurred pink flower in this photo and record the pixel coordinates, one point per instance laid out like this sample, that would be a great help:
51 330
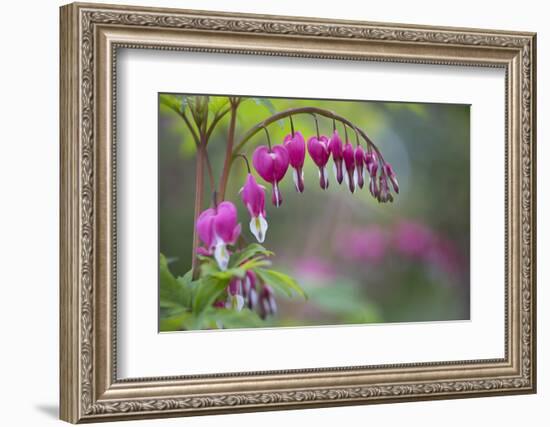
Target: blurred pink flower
314 268
368 244
413 239
444 256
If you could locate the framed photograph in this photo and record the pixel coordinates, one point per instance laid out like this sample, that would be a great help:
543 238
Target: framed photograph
266 212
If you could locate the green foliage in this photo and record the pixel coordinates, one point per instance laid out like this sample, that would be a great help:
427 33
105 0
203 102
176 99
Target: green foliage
281 282
209 289
174 293
266 102
187 304
344 301
252 250
176 103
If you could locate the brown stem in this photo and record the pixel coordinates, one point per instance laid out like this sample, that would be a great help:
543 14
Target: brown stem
199 182
209 170
229 150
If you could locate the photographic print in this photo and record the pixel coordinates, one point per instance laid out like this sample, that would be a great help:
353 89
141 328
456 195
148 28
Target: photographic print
321 201
280 212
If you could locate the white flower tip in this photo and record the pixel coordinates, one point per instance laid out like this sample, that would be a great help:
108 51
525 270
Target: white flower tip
221 255
237 302
258 227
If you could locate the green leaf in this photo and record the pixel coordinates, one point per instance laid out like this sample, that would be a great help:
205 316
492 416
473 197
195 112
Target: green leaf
281 282
234 319
208 289
174 322
174 292
217 103
266 102
251 250
173 102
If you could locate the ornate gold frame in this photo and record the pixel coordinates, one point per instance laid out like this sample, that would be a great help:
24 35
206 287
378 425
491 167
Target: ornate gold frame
90 36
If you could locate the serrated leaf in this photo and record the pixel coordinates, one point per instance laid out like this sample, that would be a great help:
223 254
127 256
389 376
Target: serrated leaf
173 292
281 282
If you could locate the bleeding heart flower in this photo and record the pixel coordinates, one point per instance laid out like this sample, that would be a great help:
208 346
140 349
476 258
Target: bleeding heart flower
319 152
337 150
235 298
359 163
253 198
349 161
271 165
384 194
217 227
371 163
392 176
373 187
249 289
296 147
267 302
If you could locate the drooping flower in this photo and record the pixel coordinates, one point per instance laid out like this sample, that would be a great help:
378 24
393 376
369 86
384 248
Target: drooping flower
253 198
271 165
336 149
267 302
373 187
349 162
235 298
249 289
384 194
392 176
296 147
359 165
371 163
217 227
319 152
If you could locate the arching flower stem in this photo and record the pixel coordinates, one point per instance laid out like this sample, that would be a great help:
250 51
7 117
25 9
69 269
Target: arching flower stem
305 110
268 138
245 159
316 125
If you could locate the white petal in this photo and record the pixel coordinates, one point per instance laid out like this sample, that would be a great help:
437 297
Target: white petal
276 189
355 177
335 171
253 298
258 227
295 177
272 305
346 179
221 255
237 302
325 172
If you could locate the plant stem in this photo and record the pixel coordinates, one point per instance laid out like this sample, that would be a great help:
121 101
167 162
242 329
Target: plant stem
199 178
229 149
303 110
209 170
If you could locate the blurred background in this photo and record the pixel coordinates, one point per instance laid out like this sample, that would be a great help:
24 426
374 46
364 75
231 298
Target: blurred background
358 260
